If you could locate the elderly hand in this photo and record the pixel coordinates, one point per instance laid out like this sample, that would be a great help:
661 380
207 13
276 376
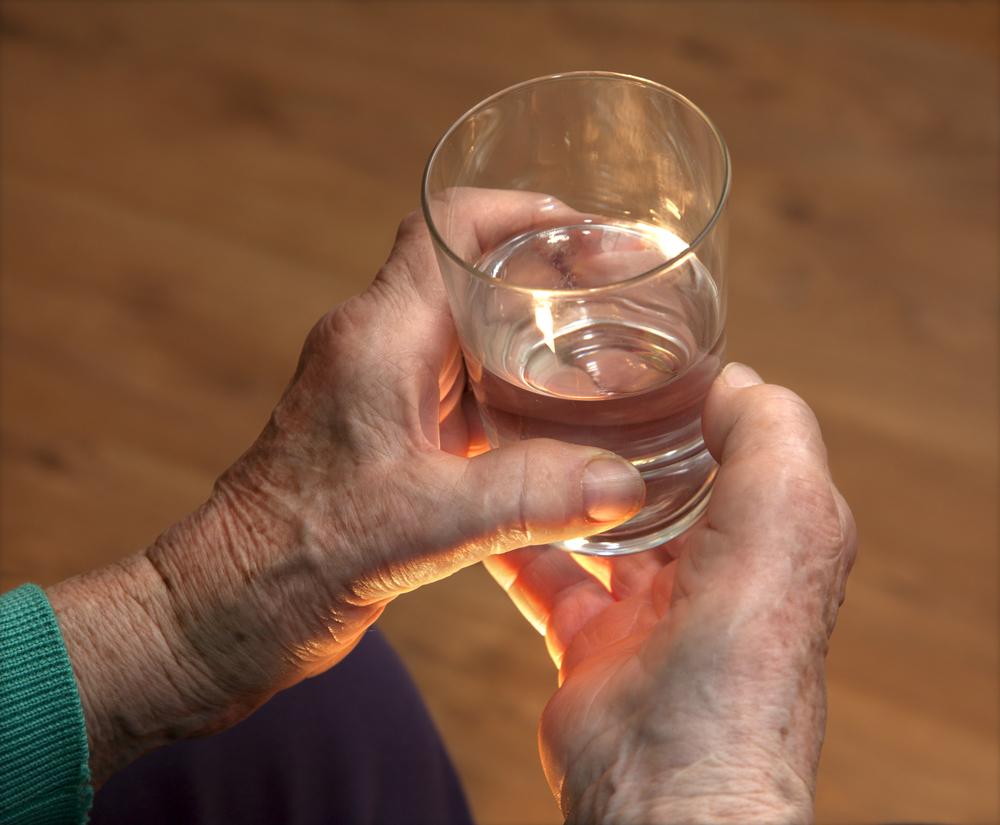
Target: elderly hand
691 679
359 489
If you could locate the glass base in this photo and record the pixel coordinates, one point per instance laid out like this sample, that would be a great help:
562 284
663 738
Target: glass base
622 541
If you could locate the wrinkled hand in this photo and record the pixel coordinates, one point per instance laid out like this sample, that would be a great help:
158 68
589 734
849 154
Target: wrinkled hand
692 678
359 489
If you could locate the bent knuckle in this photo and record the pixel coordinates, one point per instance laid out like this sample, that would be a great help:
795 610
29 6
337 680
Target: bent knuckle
521 527
343 326
412 257
783 405
787 427
391 288
412 221
411 235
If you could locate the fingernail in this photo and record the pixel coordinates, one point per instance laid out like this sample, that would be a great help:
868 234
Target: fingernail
612 488
736 374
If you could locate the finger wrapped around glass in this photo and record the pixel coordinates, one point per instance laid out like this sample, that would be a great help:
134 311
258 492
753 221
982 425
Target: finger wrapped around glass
591 303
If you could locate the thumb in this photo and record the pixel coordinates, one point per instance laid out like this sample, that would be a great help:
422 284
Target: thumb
534 492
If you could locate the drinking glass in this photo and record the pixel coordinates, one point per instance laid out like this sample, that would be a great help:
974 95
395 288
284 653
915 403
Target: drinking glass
578 224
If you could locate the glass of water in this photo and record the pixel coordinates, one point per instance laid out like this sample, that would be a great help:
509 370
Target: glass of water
578 225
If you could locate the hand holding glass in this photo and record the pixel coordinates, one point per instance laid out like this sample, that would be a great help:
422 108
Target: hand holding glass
596 316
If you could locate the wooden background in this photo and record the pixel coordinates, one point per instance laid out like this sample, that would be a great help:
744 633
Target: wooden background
186 187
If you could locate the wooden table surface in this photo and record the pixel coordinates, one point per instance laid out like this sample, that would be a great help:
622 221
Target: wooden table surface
186 187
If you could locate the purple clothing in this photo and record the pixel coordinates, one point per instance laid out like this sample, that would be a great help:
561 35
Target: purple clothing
354 746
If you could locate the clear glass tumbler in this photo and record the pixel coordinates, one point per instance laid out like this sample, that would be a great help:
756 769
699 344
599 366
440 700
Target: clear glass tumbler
578 226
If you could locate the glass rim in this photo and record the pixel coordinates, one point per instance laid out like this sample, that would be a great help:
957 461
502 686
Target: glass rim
670 263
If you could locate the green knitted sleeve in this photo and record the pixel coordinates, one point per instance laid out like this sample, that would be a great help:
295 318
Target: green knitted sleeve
44 774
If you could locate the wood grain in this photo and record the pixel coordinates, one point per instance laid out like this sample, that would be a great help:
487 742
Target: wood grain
185 188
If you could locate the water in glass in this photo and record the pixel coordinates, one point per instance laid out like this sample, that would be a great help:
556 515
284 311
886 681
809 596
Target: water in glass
627 371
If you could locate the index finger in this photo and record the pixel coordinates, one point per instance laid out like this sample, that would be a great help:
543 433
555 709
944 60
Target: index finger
472 221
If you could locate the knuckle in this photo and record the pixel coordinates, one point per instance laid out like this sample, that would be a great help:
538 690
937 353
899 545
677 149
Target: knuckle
788 428
342 328
412 255
411 221
784 405
412 233
512 502
390 289
347 318
521 528
510 497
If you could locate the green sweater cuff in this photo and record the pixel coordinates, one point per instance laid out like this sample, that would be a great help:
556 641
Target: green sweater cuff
44 773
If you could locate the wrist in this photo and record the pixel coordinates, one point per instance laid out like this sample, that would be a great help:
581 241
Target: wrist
165 644
134 681
713 791
225 608
717 810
